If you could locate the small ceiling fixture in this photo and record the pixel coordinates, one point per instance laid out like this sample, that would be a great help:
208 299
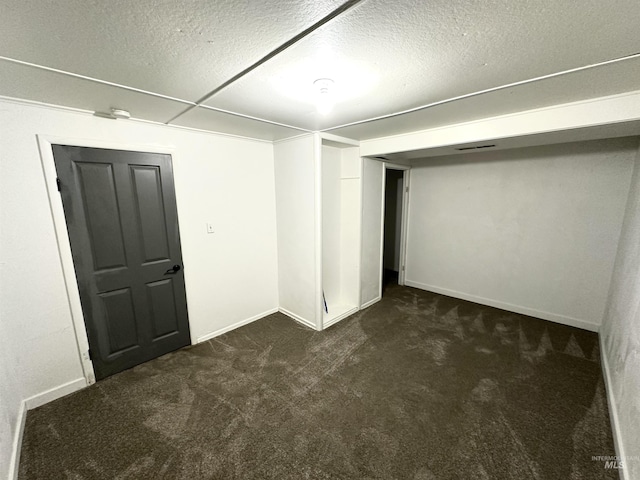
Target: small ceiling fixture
114 114
119 113
324 96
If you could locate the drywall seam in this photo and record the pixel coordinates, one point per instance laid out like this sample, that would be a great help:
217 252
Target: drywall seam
239 324
531 312
613 411
14 464
298 318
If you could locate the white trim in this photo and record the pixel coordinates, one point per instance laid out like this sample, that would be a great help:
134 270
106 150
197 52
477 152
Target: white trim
382 211
371 302
404 227
396 166
51 106
239 324
361 220
201 131
30 403
342 316
487 90
532 312
403 223
241 115
346 142
14 462
290 139
360 228
610 109
96 80
613 410
54 393
45 143
298 318
317 171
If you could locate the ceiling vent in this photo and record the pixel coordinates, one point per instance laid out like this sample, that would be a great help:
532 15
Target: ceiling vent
475 148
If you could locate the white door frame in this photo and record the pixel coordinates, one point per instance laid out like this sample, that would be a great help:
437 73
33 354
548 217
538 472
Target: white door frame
403 224
45 143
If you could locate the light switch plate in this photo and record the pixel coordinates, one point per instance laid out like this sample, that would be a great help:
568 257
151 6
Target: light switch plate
209 227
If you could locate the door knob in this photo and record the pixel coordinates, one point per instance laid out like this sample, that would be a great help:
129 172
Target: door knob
172 270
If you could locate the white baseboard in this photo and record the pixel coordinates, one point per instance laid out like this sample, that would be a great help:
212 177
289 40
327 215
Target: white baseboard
370 302
298 318
30 403
17 442
342 316
532 312
55 393
233 326
613 410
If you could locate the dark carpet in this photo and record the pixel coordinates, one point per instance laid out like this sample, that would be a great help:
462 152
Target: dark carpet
419 386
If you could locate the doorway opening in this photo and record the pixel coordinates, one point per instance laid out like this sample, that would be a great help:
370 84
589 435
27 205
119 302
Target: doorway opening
394 217
121 218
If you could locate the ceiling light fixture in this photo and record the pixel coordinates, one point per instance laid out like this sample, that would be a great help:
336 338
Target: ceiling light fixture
324 96
119 113
114 114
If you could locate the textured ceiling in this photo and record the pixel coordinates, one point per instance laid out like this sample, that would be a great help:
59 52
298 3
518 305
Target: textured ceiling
159 58
610 79
179 48
390 57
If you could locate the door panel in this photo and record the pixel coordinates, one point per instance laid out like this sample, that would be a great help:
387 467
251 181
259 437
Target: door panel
119 320
163 307
123 226
102 214
151 214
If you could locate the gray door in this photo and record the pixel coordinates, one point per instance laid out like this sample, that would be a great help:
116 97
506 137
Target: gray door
122 221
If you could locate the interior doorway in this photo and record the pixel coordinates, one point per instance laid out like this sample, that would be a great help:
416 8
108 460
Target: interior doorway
394 218
121 218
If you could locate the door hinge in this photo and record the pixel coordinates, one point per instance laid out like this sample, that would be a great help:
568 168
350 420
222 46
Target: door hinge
59 184
90 354
406 189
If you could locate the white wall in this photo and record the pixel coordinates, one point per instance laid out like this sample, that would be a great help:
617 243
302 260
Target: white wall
532 230
350 225
331 225
295 179
621 333
340 230
230 276
371 262
10 396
